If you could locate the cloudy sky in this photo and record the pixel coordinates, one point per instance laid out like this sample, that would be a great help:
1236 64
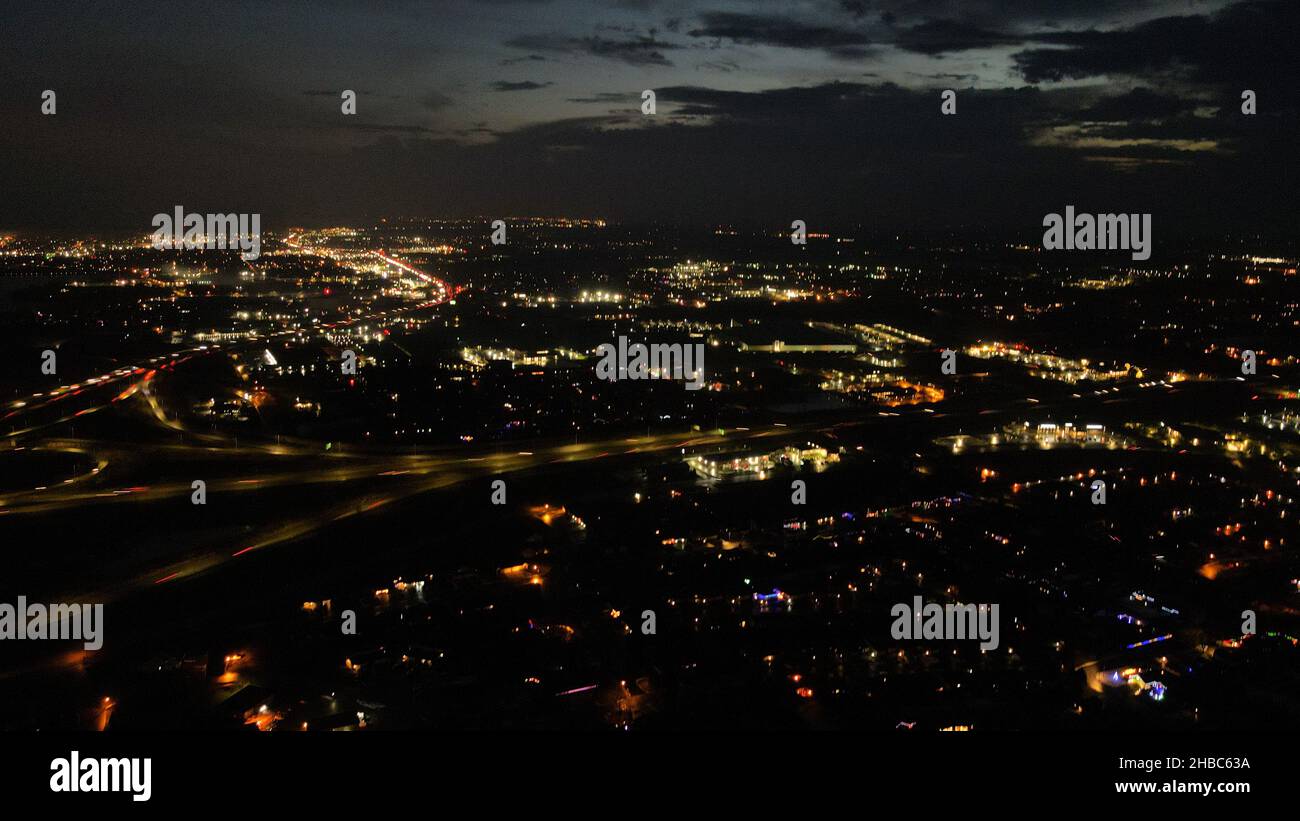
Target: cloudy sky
824 110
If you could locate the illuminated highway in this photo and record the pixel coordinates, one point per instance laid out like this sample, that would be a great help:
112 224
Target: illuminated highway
359 481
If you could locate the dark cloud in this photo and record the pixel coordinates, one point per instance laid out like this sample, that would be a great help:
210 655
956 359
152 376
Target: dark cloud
380 128
1138 104
857 8
608 97
941 36
635 50
534 58
1001 15
761 29
1247 44
947 76
523 85
727 66
478 130
434 100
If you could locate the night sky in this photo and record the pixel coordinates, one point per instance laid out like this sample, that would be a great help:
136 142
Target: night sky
767 111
